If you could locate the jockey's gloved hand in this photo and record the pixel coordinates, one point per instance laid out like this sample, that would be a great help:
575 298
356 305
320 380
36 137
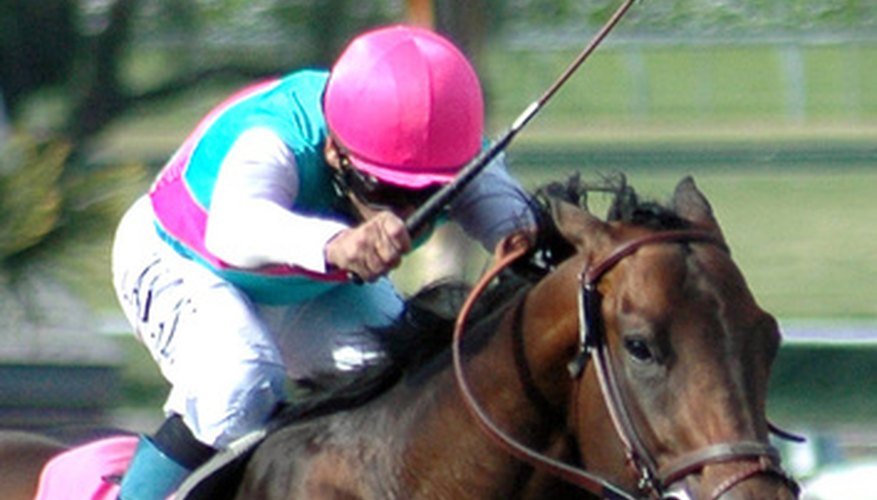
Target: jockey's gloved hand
371 249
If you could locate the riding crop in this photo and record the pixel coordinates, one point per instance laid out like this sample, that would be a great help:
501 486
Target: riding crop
426 213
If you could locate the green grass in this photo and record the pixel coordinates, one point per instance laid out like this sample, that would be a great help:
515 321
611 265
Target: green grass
688 86
840 83
802 237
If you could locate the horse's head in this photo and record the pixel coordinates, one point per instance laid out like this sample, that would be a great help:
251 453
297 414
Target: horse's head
682 350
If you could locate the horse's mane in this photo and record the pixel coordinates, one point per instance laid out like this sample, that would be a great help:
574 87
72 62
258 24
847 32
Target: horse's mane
426 326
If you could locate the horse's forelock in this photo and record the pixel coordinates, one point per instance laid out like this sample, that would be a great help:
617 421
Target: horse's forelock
626 206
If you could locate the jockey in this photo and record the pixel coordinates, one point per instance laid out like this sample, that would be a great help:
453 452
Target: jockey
233 269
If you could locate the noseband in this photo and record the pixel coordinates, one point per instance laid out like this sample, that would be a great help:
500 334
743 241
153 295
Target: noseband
654 481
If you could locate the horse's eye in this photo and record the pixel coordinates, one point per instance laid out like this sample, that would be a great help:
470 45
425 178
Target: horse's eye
639 350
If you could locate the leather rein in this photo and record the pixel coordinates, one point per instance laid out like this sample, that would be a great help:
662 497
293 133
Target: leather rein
654 481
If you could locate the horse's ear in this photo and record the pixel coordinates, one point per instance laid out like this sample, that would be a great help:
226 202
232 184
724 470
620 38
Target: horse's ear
575 224
693 206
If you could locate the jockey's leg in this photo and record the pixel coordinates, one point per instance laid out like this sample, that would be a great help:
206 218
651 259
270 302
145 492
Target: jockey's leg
225 372
226 375
333 340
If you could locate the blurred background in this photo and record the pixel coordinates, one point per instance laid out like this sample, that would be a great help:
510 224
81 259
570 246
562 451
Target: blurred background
770 104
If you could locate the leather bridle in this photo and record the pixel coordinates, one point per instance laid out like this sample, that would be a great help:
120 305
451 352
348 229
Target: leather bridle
653 481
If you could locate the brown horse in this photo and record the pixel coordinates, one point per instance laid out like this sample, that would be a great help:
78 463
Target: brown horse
688 353
671 403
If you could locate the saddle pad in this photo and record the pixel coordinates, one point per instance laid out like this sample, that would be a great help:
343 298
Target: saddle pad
86 472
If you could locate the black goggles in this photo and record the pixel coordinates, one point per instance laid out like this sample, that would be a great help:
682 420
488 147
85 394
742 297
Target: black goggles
376 194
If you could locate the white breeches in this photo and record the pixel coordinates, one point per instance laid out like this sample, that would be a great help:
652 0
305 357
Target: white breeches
226 358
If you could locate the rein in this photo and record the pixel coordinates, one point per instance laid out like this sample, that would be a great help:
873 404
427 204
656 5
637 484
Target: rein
654 480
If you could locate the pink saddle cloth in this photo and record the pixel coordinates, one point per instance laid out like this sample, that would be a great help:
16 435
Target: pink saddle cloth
85 472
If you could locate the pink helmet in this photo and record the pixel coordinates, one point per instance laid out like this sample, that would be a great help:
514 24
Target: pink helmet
406 105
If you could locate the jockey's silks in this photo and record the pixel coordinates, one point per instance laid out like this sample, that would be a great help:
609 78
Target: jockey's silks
181 195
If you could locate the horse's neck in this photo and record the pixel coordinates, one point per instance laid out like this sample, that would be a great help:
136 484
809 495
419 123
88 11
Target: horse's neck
446 436
549 332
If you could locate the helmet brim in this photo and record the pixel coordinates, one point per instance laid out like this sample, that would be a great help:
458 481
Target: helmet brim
414 178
